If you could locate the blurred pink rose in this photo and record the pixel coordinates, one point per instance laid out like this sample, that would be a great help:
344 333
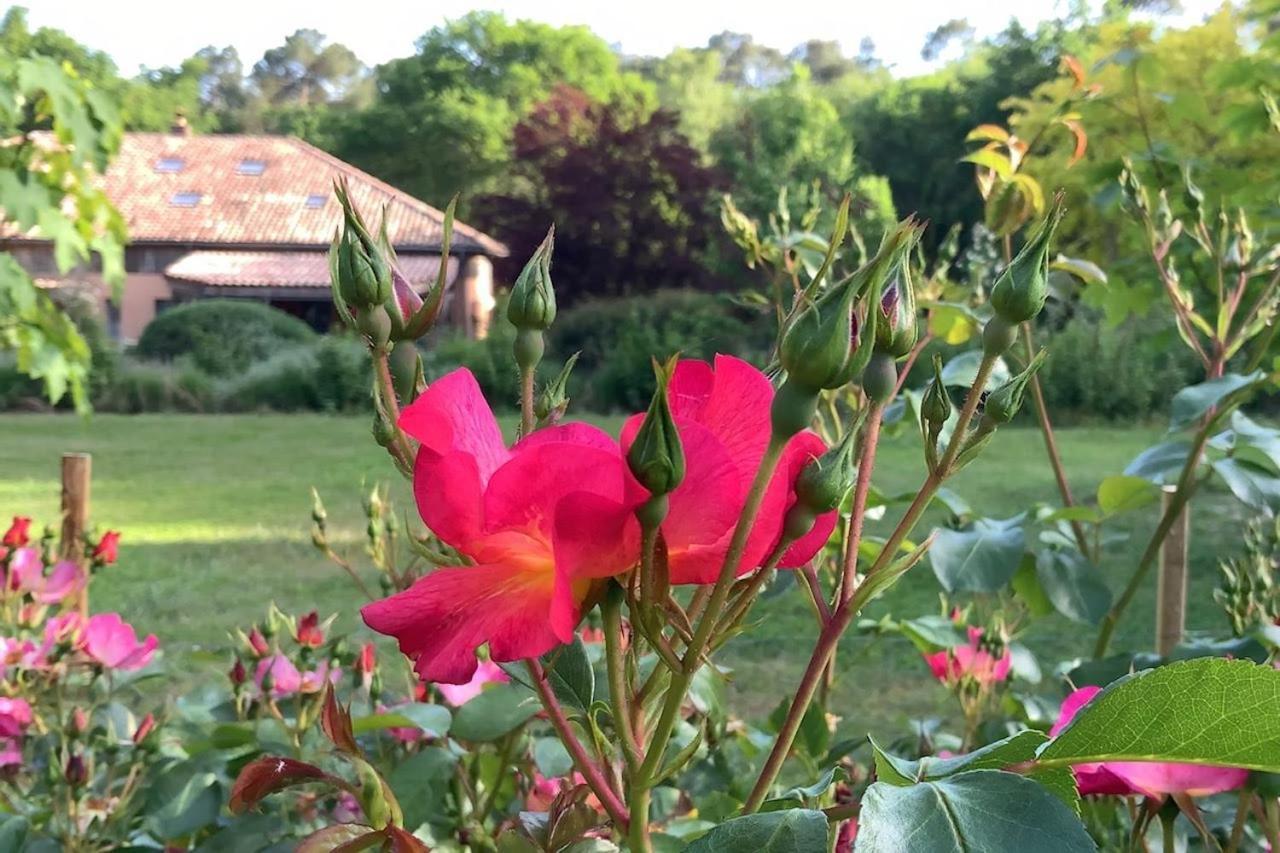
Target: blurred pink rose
112 642
971 660
487 672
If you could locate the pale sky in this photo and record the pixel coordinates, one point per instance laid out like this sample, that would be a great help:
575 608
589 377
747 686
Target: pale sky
164 32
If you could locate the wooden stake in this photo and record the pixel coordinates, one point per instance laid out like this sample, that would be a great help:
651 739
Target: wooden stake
75 504
1171 585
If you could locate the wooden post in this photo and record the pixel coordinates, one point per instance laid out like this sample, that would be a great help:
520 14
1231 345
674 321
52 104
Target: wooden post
75 504
1171 587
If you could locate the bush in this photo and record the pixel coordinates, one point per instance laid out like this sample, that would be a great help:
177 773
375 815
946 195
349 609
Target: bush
139 386
1113 373
617 336
20 392
221 336
332 374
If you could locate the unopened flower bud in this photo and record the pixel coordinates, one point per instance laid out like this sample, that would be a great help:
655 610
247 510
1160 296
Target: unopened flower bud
375 325
75 772
237 673
362 269
656 456
258 642
532 304
1021 290
405 306
1004 402
935 406
880 379
898 330
318 513
78 724
823 346
1192 196
553 400
825 481
383 431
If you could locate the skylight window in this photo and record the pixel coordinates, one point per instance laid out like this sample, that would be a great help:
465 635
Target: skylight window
251 167
315 201
170 165
185 199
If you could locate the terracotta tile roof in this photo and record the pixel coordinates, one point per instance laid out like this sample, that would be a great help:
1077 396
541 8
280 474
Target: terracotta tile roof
242 190
285 269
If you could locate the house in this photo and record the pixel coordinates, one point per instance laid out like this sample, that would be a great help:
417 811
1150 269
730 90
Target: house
251 217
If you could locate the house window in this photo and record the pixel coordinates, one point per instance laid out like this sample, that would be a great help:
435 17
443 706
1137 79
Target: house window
170 165
185 199
316 201
251 167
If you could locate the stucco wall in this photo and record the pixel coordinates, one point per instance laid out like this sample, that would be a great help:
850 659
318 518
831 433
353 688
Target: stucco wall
138 303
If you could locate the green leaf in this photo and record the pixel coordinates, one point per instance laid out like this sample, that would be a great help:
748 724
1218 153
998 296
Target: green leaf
182 799
421 784
1123 493
982 558
789 831
552 758
1026 584
1086 271
1073 585
1202 711
980 810
930 633
992 159
14 830
1253 485
430 718
1161 462
570 675
963 370
1192 402
494 713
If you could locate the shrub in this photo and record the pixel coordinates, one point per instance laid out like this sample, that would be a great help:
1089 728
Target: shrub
617 336
221 336
1112 373
139 386
331 374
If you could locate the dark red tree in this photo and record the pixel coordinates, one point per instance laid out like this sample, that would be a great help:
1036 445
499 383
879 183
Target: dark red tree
632 202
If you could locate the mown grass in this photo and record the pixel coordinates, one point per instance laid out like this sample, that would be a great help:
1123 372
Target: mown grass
215 514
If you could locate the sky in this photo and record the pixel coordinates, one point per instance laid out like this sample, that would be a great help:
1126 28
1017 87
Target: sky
156 33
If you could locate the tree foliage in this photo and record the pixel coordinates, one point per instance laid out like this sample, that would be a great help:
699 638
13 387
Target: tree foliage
629 197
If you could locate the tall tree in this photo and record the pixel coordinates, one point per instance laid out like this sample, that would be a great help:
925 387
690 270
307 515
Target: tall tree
631 200
824 59
689 83
443 118
746 62
306 71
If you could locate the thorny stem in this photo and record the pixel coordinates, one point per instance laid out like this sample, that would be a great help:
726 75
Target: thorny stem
844 614
399 448
866 464
595 779
618 694
642 780
1051 444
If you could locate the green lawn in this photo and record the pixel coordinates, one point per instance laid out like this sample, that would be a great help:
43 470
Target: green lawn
215 514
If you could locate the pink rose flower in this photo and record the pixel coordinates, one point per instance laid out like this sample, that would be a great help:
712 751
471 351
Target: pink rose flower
487 672
1150 778
26 574
112 642
280 675
971 661
15 717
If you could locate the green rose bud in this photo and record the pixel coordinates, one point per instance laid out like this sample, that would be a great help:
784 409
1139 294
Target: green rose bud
1021 290
823 346
935 406
1004 402
825 481
897 331
880 379
532 305
362 270
406 367
998 336
656 457
554 399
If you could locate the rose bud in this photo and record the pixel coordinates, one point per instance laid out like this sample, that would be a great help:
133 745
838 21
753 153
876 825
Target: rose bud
897 330
532 304
554 399
1021 290
367 659
144 728
822 485
935 405
79 722
237 673
257 642
76 773
656 457
105 552
363 273
19 532
406 367
309 632
1004 402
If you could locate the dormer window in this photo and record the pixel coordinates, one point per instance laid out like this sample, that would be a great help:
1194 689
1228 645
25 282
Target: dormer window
185 199
251 167
316 201
170 165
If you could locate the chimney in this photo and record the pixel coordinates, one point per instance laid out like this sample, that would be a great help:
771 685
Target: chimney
180 127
